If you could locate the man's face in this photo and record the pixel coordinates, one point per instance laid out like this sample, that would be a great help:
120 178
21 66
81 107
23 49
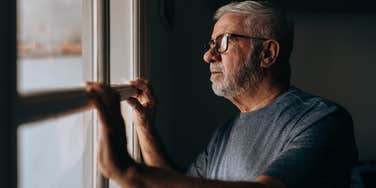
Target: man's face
234 70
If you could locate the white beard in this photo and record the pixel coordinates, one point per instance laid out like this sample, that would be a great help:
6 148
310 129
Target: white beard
228 87
248 75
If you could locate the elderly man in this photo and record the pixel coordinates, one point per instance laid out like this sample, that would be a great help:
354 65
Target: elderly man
282 137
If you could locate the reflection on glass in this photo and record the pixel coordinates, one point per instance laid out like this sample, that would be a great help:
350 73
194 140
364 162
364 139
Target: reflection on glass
49 44
52 153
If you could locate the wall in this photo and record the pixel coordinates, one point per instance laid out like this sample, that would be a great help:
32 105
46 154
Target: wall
8 159
332 58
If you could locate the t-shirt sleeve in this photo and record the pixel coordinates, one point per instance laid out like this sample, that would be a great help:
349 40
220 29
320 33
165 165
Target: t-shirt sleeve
320 151
200 167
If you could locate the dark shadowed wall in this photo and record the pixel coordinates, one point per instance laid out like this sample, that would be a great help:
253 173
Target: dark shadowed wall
334 57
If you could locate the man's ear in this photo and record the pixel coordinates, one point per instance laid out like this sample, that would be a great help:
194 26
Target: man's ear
269 53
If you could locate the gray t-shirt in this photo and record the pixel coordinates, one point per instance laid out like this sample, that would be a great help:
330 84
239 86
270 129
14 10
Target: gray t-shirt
299 139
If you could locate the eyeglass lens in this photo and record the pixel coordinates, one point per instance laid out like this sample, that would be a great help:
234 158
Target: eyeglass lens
223 46
219 44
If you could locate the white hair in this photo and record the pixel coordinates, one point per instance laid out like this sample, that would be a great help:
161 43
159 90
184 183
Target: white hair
265 18
245 7
267 21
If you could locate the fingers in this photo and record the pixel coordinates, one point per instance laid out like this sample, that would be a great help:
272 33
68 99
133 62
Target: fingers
141 83
103 93
94 92
145 94
102 90
107 102
142 86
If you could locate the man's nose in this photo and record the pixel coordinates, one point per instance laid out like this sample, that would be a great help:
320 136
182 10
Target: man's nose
210 56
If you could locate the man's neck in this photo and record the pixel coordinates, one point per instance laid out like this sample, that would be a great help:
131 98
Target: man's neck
254 99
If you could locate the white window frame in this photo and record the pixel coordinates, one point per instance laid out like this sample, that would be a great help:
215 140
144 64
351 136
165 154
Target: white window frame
37 106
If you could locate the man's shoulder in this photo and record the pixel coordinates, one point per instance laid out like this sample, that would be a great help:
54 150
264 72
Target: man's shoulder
296 98
305 110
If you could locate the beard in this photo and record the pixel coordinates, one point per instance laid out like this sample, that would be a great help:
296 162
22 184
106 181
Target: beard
247 76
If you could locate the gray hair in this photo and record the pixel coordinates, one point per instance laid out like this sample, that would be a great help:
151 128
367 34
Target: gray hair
245 7
267 21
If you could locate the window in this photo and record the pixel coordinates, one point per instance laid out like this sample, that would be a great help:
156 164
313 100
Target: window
52 153
61 44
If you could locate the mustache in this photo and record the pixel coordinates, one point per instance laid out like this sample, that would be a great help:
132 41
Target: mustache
216 67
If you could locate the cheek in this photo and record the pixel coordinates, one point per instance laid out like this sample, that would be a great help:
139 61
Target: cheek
227 65
231 64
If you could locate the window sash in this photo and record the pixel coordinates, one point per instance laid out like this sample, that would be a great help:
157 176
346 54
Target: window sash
39 106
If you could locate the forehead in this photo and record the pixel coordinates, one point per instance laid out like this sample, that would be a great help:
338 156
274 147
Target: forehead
231 23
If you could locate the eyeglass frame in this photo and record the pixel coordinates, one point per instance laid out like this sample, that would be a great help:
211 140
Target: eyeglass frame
213 43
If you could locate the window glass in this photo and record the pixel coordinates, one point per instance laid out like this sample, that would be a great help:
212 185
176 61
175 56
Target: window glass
121 41
54 153
49 44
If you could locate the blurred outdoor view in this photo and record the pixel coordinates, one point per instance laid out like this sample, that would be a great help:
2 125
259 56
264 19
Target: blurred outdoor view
51 153
49 44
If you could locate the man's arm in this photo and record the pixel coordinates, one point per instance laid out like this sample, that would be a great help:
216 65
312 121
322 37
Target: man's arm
143 176
144 105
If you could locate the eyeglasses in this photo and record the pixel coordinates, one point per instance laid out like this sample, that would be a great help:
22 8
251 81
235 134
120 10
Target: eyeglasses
220 44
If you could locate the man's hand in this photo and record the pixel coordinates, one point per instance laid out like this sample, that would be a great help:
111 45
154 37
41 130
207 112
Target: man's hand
113 158
143 104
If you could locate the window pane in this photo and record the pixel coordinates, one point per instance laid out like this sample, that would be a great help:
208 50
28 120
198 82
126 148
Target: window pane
121 41
54 153
49 44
